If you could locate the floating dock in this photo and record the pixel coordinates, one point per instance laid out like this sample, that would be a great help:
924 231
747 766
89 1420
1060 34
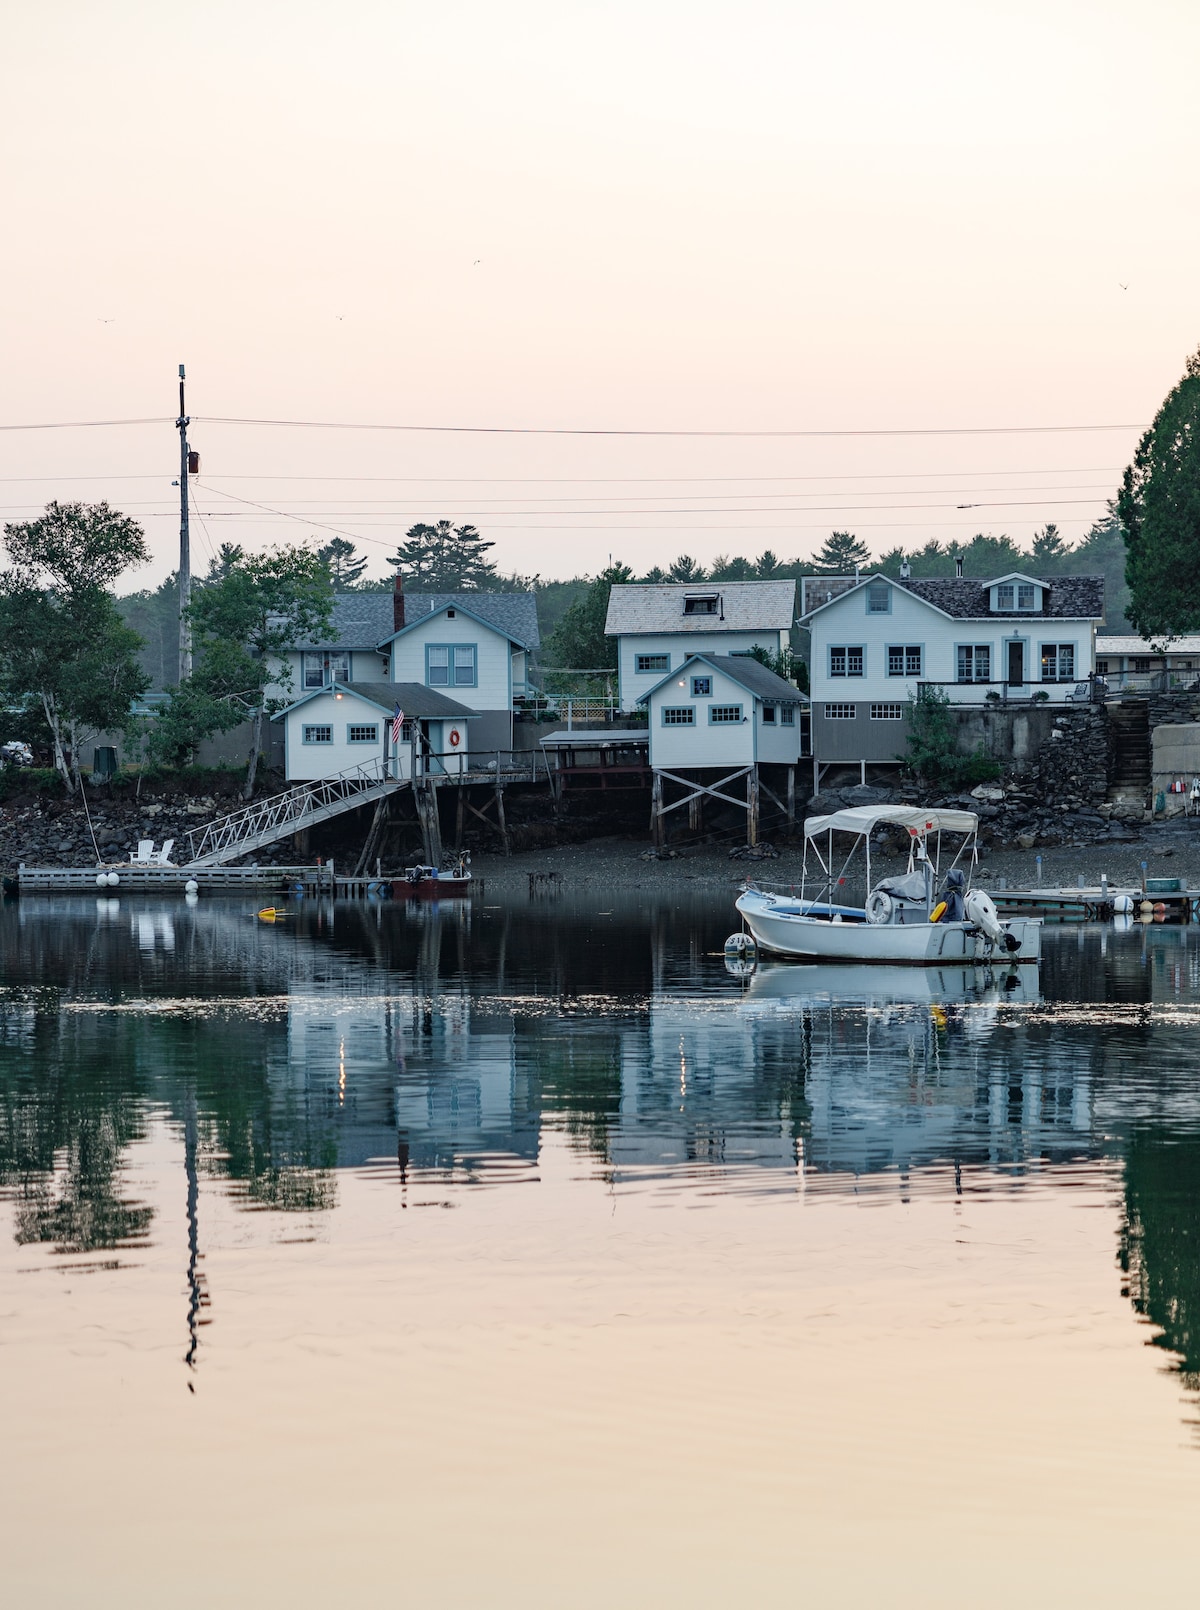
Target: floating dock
1100 901
133 879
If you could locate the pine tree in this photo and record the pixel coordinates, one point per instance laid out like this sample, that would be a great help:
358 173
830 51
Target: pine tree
443 558
1159 507
840 553
341 560
685 569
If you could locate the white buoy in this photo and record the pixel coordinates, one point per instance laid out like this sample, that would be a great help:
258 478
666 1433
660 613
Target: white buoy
191 887
102 880
191 899
1123 905
113 879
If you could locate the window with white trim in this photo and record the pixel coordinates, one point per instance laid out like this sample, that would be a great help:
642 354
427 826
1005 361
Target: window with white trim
887 712
879 598
366 733
721 715
841 712
651 662
450 665
320 734
904 659
974 662
787 715
321 667
846 659
768 715
1058 662
1004 596
679 715
1026 595
702 687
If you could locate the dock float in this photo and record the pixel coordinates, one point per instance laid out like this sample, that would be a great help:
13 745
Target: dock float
1099 901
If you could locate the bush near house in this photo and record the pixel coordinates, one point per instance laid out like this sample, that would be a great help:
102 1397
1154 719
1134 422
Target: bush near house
933 755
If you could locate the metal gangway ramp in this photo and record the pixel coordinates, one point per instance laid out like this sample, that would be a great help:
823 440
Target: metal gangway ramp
264 821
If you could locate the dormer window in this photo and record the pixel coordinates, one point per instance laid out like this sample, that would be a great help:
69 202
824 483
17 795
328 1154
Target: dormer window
701 604
1026 595
1004 596
1015 597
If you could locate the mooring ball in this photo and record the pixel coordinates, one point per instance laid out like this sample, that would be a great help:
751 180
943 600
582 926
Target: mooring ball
102 880
191 887
1123 905
113 879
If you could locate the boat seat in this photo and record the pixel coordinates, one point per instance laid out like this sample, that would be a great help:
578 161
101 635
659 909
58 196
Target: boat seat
905 886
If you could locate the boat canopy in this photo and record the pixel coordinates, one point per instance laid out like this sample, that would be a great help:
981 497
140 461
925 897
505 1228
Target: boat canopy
865 819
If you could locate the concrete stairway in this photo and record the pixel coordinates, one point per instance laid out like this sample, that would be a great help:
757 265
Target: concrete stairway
265 821
1129 763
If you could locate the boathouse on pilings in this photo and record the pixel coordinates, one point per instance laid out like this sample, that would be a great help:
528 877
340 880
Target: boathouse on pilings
723 728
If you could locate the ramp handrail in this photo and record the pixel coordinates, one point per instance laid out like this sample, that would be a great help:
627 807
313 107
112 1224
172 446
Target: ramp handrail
281 811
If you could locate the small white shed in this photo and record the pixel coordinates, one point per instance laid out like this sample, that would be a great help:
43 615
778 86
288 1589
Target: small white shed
348 724
723 710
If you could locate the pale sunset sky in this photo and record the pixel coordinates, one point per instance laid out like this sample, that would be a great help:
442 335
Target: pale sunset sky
759 217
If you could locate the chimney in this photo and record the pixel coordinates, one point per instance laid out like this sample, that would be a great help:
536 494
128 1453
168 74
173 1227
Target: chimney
905 570
398 604
958 567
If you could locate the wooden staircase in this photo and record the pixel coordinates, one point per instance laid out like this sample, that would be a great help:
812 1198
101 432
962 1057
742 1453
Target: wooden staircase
1129 752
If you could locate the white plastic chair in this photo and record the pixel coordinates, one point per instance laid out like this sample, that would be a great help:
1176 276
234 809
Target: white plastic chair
144 854
163 858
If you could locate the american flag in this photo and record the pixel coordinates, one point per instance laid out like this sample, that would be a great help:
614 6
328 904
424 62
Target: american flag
397 723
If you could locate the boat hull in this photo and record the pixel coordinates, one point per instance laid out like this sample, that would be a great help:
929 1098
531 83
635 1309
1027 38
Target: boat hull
780 926
430 888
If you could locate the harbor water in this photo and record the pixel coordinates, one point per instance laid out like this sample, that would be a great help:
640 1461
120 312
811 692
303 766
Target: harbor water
515 1251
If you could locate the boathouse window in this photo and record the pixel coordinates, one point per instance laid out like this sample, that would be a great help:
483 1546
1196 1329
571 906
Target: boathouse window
879 598
679 715
846 660
904 659
887 712
1058 662
768 715
974 662
720 715
366 734
841 712
702 687
318 735
1101 667
320 668
701 604
450 665
651 662
787 716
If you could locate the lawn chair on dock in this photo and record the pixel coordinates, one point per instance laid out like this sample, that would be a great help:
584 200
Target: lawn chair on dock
163 858
144 854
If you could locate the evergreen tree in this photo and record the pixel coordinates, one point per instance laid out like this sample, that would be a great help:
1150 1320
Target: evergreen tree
769 567
444 558
685 569
840 553
1159 508
578 642
342 561
725 569
1051 555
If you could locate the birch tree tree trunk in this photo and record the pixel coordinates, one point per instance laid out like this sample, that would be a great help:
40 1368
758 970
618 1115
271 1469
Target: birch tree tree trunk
55 725
255 751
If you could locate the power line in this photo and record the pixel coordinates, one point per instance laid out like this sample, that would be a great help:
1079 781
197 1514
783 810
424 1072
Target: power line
87 424
562 430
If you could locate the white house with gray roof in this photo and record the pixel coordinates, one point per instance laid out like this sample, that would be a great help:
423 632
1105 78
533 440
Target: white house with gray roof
722 710
468 650
877 641
659 627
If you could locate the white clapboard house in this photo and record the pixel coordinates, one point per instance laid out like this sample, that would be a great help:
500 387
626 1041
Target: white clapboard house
876 641
658 628
455 663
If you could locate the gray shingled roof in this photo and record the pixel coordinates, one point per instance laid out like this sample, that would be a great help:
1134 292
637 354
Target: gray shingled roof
364 620
745 606
966 598
746 672
414 699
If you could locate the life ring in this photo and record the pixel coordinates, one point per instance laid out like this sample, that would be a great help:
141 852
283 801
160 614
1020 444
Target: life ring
455 737
879 906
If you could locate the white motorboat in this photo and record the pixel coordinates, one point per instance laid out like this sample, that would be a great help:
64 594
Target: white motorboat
921 916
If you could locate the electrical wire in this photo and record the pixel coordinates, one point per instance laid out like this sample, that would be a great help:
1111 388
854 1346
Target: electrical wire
87 424
564 430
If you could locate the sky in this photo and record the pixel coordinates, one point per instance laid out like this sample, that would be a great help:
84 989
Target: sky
620 217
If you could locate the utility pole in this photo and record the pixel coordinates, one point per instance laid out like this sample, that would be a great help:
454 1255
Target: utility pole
185 543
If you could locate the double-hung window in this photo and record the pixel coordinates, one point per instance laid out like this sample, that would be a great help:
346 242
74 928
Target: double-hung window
1026 595
879 598
787 715
974 662
904 659
846 660
1058 662
1004 596
321 667
450 665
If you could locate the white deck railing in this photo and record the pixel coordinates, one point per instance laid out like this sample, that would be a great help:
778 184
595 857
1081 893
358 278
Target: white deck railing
263 821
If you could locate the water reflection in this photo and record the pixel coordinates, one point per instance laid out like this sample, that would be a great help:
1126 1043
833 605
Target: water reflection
445 1044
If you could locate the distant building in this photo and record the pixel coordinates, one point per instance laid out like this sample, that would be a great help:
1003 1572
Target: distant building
722 710
876 641
658 627
1137 665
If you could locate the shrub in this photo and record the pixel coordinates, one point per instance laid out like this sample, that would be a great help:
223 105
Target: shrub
933 754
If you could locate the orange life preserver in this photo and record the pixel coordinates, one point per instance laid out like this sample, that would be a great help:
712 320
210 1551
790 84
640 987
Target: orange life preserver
455 737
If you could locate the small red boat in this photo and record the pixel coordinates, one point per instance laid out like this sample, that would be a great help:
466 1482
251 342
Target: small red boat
433 883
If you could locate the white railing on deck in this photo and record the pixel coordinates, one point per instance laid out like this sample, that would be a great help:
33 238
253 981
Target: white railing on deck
285 812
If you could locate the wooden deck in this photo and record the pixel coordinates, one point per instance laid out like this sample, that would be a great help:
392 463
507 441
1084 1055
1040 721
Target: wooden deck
1095 902
173 879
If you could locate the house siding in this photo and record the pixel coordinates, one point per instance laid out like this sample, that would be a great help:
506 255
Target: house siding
491 695
741 743
678 647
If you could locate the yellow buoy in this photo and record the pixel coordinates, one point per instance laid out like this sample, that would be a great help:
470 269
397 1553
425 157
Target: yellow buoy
271 914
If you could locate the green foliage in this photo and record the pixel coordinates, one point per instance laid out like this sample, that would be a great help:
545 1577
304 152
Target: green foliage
840 553
685 569
153 614
444 558
1159 510
781 661
244 623
933 753
63 645
578 641
18 780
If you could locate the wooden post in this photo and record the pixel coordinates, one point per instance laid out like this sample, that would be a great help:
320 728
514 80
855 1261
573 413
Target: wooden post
435 824
791 801
695 814
656 821
459 817
752 808
500 814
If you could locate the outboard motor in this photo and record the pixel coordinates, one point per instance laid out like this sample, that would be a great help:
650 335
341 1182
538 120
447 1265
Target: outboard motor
952 894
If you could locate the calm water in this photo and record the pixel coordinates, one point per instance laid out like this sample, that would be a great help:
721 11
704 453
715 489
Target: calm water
519 1251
